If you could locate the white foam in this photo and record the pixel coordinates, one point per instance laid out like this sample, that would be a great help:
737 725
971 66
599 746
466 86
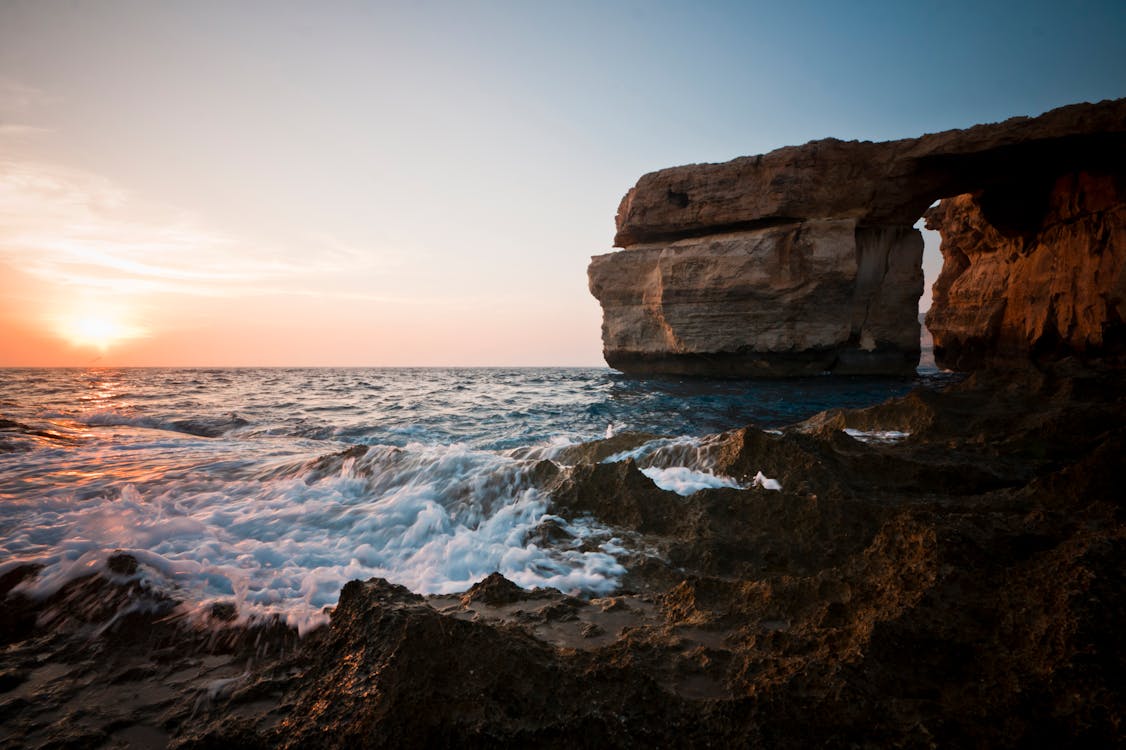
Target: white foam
685 481
548 449
877 436
435 519
765 482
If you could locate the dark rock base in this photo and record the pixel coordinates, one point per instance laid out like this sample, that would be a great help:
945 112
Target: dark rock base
880 361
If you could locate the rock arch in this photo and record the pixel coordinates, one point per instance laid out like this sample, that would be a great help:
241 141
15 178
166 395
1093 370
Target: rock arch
805 259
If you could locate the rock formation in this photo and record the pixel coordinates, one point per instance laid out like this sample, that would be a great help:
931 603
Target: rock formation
1055 286
791 299
804 259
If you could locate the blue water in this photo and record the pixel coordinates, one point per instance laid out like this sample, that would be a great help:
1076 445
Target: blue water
224 485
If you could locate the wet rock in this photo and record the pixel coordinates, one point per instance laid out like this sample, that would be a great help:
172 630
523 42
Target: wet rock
545 473
17 616
11 678
17 437
399 673
122 564
210 427
598 450
550 533
333 464
620 495
106 661
223 611
16 576
494 590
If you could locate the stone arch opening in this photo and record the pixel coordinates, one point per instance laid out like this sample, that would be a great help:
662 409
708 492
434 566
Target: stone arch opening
931 267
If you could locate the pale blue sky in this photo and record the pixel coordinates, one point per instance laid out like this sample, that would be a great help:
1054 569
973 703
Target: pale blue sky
423 183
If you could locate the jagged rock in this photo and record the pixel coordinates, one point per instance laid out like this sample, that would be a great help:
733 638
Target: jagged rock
121 563
621 495
494 589
805 260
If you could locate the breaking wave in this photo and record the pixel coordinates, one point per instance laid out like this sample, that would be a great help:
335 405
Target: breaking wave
270 489
435 519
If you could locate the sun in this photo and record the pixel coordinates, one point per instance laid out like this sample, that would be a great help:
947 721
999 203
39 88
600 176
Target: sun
99 331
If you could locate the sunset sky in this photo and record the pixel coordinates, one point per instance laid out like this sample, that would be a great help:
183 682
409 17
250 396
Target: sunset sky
347 183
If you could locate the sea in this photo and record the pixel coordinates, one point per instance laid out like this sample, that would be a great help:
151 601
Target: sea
247 486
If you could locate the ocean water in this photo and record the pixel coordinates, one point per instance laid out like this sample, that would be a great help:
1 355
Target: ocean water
247 486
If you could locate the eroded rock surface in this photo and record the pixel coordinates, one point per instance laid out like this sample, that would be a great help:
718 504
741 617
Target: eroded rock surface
805 260
1052 283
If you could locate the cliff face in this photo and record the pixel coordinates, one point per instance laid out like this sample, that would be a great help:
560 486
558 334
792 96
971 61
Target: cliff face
1053 287
804 260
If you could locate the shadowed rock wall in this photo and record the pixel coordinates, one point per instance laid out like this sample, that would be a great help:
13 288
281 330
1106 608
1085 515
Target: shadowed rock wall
804 260
1054 286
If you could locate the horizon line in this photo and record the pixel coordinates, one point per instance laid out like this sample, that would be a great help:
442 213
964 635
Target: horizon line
302 367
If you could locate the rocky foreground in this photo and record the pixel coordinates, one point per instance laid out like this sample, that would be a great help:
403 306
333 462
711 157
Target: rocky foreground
961 586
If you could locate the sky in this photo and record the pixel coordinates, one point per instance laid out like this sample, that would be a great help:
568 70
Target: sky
423 183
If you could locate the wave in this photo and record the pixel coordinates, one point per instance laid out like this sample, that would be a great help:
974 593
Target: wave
684 465
877 436
435 519
197 426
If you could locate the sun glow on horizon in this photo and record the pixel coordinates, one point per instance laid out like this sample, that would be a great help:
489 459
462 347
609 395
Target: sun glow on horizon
97 330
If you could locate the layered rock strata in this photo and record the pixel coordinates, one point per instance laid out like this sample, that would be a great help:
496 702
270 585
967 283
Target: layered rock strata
804 259
792 299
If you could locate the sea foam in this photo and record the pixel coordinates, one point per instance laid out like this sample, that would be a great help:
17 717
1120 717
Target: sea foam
433 518
685 481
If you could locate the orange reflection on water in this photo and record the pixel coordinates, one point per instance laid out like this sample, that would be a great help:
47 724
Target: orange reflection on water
101 387
76 474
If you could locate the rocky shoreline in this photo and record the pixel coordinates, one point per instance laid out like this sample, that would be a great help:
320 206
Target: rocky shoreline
944 570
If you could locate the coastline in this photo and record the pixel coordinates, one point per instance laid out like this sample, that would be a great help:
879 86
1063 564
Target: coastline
959 585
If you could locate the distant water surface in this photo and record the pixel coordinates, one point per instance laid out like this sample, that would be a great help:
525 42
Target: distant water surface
234 484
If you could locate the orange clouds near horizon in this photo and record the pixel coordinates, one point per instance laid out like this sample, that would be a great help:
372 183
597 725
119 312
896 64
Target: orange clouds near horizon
93 275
